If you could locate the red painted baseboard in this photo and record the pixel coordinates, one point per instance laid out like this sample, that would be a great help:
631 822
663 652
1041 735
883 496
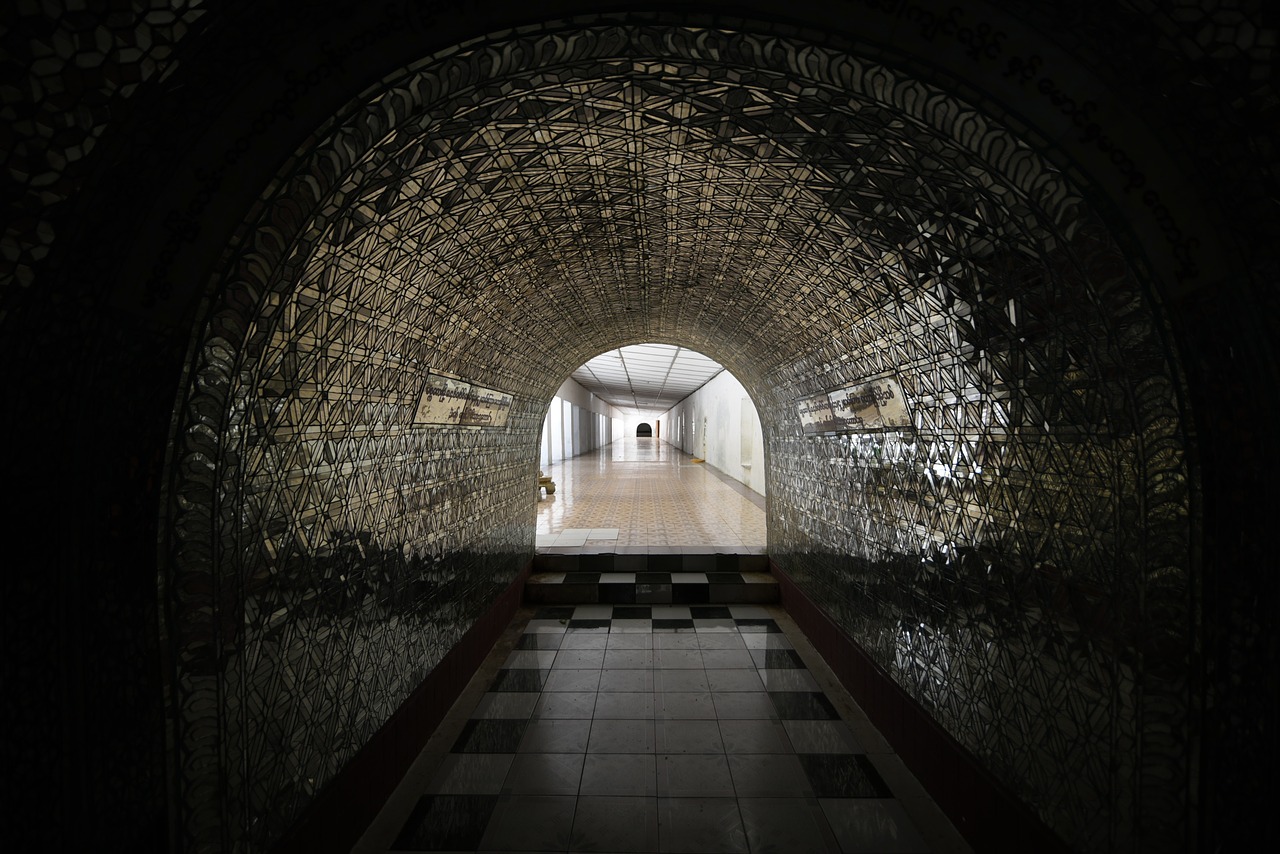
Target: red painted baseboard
985 812
348 804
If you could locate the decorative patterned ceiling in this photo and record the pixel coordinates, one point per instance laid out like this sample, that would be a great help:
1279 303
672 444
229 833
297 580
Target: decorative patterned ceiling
646 378
808 219
673 202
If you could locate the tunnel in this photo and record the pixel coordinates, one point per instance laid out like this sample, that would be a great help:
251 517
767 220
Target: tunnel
287 300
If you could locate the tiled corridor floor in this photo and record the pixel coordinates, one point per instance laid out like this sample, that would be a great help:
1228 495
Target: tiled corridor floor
657 728
637 495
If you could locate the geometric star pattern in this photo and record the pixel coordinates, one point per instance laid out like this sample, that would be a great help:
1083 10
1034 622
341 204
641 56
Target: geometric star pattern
1015 559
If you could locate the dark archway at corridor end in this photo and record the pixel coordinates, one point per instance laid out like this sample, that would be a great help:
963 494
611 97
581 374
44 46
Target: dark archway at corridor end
644 430
367 377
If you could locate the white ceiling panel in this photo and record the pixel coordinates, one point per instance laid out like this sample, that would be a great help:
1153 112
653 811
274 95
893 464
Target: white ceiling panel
646 378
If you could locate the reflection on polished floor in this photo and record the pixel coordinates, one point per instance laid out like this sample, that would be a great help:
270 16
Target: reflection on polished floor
642 494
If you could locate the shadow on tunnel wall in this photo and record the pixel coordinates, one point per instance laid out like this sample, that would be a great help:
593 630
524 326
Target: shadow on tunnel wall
1026 561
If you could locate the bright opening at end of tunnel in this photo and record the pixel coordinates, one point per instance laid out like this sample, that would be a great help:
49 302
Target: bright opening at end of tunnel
695 483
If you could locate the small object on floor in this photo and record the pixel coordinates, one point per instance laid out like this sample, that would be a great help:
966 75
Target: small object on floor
545 482
698 460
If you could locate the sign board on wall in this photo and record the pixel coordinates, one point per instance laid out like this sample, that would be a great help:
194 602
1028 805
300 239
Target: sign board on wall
875 405
815 414
447 400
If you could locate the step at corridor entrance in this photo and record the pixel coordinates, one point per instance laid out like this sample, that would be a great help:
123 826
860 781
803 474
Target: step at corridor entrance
655 697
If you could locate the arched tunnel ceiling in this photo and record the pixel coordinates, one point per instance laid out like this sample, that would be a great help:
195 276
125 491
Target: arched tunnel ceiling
676 186
808 219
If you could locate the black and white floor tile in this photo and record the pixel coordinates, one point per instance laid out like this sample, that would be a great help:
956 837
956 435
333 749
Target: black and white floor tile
672 728
649 589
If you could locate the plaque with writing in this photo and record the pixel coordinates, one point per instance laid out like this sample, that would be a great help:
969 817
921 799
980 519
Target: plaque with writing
869 406
875 405
486 408
891 403
442 401
815 414
446 400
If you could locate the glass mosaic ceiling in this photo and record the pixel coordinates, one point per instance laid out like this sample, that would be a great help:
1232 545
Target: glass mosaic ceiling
1015 559
646 378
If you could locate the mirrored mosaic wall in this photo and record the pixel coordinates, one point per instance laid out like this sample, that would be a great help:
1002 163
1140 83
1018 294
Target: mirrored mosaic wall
354 549
102 101
1017 560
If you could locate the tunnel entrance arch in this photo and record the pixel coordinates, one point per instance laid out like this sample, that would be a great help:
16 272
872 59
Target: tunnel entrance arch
891 229
638 386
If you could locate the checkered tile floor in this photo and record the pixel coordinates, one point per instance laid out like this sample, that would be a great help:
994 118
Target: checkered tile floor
651 588
654 728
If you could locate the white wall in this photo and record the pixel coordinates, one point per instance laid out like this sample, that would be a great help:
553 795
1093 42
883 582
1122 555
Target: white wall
718 423
576 422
